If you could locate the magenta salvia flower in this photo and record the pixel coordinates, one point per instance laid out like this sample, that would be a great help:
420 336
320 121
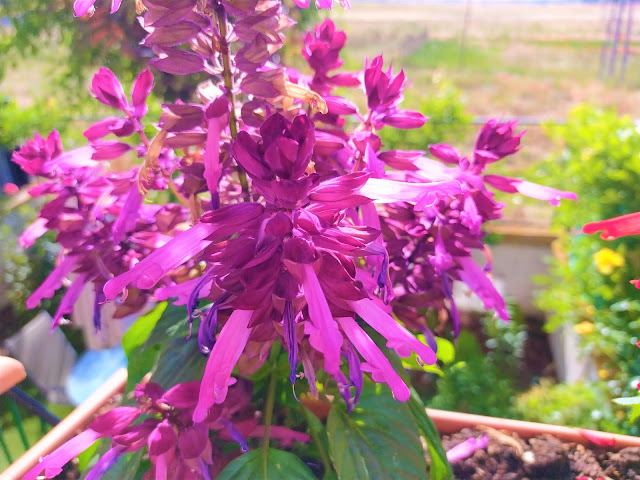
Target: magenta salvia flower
292 225
81 7
161 421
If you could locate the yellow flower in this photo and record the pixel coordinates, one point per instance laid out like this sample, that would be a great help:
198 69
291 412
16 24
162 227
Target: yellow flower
607 260
583 328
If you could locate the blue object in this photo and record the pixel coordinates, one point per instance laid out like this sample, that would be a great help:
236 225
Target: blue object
93 368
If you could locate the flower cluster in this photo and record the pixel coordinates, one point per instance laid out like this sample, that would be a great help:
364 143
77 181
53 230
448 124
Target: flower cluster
161 421
102 224
293 223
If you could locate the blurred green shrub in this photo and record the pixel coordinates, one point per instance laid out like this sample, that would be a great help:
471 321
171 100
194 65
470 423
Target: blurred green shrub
599 159
18 123
579 404
483 380
448 121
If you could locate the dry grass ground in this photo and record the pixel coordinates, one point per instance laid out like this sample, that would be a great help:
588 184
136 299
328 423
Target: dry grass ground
522 60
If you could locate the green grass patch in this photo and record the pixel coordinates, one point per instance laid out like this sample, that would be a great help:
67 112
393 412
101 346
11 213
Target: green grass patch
448 54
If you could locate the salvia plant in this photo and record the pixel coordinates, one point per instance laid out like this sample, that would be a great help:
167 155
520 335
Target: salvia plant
272 217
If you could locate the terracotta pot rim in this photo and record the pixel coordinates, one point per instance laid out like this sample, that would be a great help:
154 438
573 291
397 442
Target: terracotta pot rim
451 422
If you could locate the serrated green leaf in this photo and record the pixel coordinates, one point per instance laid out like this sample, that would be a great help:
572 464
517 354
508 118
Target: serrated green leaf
280 465
378 440
138 333
627 401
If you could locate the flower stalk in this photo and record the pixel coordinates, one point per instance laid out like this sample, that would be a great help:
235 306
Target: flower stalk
268 413
221 17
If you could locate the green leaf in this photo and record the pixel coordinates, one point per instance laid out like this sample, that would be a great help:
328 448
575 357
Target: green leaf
138 333
126 468
172 324
180 361
440 469
280 465
446 351
411 363
139 363
378 440
627 401
143 342
84 459
634 414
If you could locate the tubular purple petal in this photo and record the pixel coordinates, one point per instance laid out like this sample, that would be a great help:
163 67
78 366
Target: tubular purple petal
289 326
467 448
533 190
223 358
377 363
107 89
53 282
171 255
381 190
81 7
398 337
479 283
129 214
140 91
192 441
115 421
235 434
325 335
33 232
106 461
52 464
212 167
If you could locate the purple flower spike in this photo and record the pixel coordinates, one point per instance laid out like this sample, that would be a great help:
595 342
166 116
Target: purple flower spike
467 448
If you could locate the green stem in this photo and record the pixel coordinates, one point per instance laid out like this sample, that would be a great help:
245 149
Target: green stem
268 418
315 436
228 84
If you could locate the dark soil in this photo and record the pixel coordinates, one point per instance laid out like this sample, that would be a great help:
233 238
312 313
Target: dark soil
545 457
